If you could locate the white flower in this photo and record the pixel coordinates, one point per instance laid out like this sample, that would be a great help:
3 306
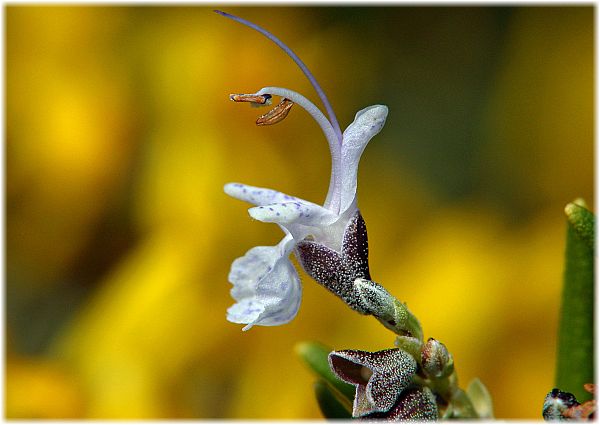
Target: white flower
265 284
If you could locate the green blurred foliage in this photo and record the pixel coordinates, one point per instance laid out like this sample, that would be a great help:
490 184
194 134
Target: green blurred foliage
120 136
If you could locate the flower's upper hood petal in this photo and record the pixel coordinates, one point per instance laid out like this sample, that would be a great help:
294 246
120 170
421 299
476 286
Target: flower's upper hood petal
265 285
367 123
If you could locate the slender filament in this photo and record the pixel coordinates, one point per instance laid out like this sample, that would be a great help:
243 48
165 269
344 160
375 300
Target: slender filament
334 149
303 67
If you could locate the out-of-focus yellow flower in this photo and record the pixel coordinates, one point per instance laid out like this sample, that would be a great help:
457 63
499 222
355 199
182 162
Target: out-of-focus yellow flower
41 389
68 136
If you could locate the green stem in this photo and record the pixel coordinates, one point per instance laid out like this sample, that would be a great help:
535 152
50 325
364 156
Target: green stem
459 404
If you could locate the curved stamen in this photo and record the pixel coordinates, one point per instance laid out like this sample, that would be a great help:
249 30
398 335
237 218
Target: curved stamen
336 172
277 114
303 67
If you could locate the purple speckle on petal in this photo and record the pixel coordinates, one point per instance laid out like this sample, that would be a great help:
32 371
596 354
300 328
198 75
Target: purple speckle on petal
271 209
250 310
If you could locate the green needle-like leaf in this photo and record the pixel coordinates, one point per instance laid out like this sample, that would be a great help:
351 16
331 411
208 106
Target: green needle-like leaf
582 220
575 354
331 406
316 357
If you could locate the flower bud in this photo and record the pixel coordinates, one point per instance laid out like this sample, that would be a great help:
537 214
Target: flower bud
435 359
409 344
373 298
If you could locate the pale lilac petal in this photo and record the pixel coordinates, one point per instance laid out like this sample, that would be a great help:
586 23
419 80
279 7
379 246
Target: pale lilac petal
265 285
367 123
256 195
296 212
245 311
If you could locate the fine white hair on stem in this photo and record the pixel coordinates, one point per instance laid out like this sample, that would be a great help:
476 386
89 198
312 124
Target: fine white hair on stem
328 130
303 67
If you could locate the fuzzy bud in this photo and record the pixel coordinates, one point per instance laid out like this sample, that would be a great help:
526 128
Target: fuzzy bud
435 359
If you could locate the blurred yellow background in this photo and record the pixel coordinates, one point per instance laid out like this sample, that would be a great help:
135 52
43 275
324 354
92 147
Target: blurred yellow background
120 136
